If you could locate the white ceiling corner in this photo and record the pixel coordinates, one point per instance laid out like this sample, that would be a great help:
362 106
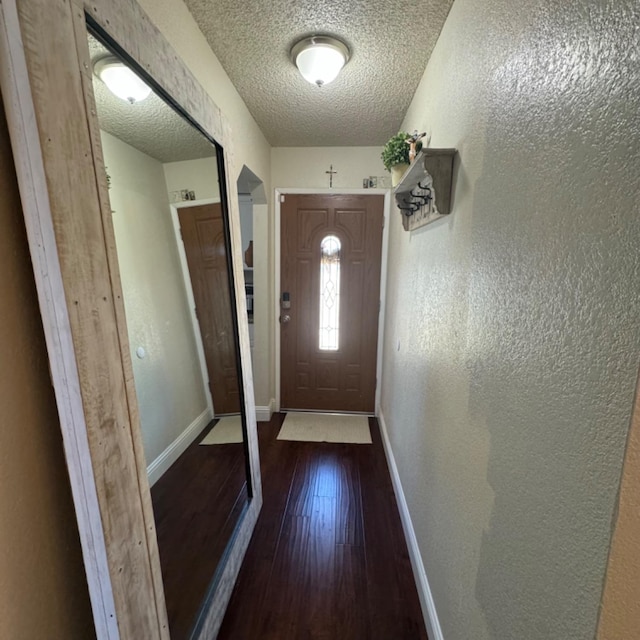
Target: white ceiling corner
390 43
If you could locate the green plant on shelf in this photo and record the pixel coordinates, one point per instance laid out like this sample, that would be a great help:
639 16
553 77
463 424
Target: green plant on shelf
396 151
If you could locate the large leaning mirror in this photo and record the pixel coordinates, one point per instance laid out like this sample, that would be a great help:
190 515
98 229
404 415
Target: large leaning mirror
136 384
172 241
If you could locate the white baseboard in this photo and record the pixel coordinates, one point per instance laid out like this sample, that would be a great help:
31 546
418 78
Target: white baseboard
159 466
263 414
424 591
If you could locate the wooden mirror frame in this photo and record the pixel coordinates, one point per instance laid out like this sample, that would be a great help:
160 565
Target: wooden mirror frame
45 76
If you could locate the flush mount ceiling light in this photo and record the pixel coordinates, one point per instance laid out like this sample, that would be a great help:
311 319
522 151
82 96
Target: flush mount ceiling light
120 80
320 58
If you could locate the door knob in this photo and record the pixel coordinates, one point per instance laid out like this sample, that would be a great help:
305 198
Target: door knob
285 319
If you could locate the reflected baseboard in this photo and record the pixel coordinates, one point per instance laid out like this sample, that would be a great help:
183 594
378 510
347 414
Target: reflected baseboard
264 413
160 465
434 630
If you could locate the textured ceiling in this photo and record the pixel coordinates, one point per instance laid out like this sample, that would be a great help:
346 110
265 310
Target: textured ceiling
390 43
151 126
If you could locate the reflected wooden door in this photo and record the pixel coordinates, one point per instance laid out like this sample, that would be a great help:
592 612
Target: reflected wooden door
331 249
204 243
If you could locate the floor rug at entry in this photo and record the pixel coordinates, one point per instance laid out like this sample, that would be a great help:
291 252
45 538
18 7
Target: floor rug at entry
325 427
228 430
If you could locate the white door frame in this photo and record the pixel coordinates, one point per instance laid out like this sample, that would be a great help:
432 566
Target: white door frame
283 191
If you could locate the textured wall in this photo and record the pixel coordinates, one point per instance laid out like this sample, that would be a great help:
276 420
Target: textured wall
306 166
200 176
168 380
43 589
512 338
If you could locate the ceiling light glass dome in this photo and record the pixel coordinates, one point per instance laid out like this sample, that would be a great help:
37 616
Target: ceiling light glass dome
320 58
121 80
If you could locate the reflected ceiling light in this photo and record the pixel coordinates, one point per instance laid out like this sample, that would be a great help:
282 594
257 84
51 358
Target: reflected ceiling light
121 80
320 58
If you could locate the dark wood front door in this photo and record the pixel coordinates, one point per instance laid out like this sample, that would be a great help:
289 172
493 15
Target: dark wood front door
204 243
331 249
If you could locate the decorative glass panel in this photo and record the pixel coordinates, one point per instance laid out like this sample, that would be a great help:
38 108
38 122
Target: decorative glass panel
329 293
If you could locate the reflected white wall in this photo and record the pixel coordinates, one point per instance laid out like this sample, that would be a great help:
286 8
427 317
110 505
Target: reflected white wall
168 379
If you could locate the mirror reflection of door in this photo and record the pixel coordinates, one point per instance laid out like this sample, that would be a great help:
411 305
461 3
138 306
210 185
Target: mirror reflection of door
203 237
156 162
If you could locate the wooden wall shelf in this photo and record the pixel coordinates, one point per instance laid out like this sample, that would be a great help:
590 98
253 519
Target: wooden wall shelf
423 195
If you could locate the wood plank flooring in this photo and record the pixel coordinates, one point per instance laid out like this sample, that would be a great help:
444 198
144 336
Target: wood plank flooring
328 559
196 505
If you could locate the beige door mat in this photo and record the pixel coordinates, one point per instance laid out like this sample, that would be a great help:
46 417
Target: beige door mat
228 430
325 427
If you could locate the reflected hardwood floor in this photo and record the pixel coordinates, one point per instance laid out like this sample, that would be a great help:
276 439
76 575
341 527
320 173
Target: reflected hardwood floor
196 504
328 559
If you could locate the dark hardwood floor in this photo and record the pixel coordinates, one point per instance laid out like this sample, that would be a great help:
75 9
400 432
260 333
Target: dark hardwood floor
196 505
328 559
